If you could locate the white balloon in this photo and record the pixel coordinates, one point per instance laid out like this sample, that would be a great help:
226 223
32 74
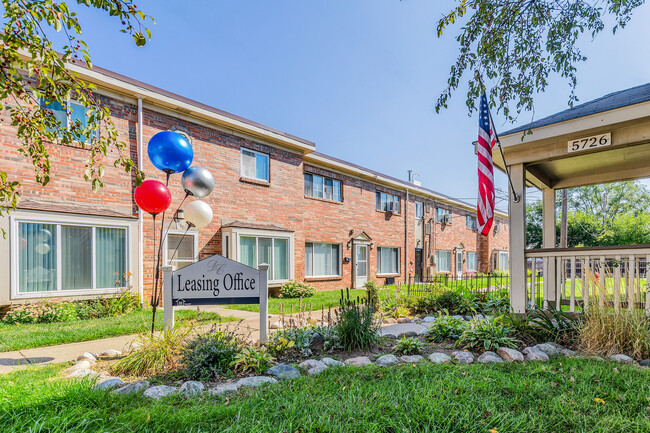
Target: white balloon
42 248
198 213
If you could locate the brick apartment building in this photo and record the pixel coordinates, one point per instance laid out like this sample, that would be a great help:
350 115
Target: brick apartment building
313 217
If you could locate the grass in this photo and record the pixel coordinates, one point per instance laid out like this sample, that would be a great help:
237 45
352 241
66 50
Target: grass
26 336
563 395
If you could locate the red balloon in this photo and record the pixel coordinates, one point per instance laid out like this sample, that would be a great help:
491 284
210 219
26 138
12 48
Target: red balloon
152 196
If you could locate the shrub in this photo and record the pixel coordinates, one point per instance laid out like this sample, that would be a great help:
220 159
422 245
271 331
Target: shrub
408 346
289 340
445 327
252 360
296 289
399 311
372 294
556 325
486 334
46 311
424 304
605 332
497 302
355 325
210 355
156 354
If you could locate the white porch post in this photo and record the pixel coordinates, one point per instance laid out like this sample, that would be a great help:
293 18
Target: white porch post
518 240
548 236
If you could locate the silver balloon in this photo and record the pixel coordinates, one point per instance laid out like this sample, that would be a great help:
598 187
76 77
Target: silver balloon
197 181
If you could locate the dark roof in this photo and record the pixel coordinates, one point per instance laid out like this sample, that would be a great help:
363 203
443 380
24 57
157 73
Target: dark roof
622 98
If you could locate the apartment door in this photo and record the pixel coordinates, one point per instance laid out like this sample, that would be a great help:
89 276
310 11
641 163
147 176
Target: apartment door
418 265
361 260
459 263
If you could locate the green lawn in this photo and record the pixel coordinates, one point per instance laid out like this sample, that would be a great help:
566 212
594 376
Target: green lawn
17 337
557 396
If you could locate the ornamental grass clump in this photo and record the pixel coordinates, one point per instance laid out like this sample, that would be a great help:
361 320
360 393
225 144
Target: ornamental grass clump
355 324
211 354
608 332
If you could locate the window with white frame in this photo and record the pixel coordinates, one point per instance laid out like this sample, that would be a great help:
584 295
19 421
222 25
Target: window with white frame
443 261
67 114
55 257
387 260
255 250
384 198
470 264
181 249
501 261
323 187
254 165
419 209
440 214
322 260
470 222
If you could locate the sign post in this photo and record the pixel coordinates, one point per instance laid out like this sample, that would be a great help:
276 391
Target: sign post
264 303
168 308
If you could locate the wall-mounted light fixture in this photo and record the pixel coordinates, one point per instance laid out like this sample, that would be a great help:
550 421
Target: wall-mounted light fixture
348 244
372 245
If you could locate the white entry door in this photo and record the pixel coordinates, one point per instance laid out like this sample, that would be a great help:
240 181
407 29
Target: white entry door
459 264
361 260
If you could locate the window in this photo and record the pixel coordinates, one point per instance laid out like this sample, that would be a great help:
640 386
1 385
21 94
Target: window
470 222
387 260
254 165
383 199
67 114
322 260
501 261
254 251
62 257
323 187
443 261
419 209
440 214
470 265
180 249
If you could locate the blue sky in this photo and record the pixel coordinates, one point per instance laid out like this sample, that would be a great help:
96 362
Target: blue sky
359 78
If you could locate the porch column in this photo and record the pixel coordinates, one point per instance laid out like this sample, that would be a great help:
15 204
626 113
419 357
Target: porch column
518 240
548 241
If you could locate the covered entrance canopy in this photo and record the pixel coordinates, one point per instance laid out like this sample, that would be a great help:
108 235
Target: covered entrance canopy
604 140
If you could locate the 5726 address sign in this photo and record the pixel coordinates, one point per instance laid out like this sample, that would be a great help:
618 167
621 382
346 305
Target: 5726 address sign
592 142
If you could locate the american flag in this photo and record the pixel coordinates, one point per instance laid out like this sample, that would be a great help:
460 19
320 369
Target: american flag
486 140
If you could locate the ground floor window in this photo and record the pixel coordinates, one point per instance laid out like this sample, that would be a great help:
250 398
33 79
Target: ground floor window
322 260
443 261
501 261
59 257
255 250
387 260
470 264
181 249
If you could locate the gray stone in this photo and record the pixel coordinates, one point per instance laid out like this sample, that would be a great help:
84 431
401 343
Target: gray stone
330 362
256 381
489 357
645 363
596 358
622 359
227 388
429 319
276 325
158 392
359 361
439 358
316 342
534 354
479 317
192 387
110 353
463 357
386 360
83 372
389 320
87 355
283 371
81 365
313 366
411 359
133 387
459 317
108 383
550 349
402 330
467 318
403 320
561 349
510 355
416 320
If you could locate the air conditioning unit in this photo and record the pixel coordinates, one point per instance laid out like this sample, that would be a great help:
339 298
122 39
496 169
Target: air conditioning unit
446 219
392 206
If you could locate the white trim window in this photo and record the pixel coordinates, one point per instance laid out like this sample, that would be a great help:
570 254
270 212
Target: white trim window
323 187
470 264
384 198
443 261
322 260
56 258
181 249
471 222
254 165
419 209
67 114
387 261
275 251
440 214
501 261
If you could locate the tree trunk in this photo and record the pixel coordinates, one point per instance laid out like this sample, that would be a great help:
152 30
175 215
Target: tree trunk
563 221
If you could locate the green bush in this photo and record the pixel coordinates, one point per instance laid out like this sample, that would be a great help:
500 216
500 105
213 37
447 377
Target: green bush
554 324
210 355
445 327
296 289
486 334
251 360
355 325
424 304
496 303
408 346
457 302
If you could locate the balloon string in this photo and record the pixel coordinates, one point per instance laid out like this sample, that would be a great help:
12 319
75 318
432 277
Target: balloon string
189 226
158 260
175 213
153 289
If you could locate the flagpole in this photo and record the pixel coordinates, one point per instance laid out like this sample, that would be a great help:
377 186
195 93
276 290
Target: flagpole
515 196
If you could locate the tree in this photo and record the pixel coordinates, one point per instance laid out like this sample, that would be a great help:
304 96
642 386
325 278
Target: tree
518 44
35 75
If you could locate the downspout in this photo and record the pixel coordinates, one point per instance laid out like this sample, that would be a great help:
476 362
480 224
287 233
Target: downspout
140 216
406 230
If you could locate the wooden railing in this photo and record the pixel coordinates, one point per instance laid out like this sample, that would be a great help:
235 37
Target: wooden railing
577 277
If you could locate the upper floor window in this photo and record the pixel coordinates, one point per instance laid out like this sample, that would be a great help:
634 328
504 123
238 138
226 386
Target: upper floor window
323 187
470 222
384 200
419 209
68 114
254 165
440 214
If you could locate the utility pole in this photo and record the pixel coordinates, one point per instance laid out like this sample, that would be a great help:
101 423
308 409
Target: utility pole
563 221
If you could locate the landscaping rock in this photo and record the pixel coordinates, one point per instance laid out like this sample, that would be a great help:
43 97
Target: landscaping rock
133 387
83 372
316 342
110 353
403 320
411 359
510 355
330 362
386 360
561 349
489 357
192 387
402 330
158 392
108 383
228 388
467 318
534 354
429 319
256 381
596 358
479 317
389 320
622 359
84 364
276 325
313 366
359 361
416 320
459 317
134 345
87 355
439 358
463 357
645 363
283 371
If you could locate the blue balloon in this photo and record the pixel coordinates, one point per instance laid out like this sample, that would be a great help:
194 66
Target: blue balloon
170 152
